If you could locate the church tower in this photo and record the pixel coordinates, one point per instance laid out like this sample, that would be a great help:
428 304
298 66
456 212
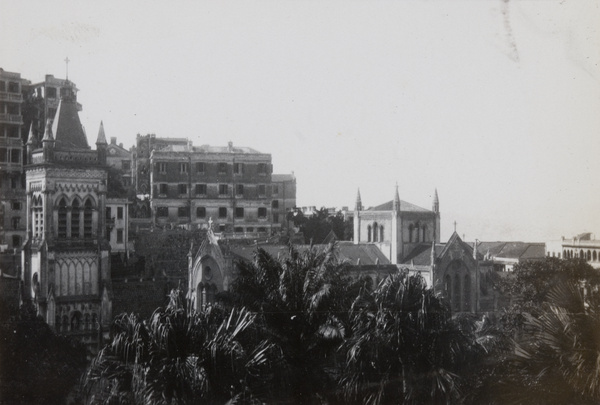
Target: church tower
66 258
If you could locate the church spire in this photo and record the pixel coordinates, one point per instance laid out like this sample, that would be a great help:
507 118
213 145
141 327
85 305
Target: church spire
48 136
48 142
31 137
396 206
358 206
436 202
101 145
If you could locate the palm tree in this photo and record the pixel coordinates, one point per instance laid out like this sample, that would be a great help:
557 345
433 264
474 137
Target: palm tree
558 362
180 356
302 302
404 347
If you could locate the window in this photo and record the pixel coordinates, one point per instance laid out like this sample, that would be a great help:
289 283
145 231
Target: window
183 212
250 229
108 213
223 189
239 212
183 168
162 167
162 212
222 168
163 188
238 229
275 189
222 212
239 189
119 236
14 182
3 155
275 204
262 229
238 168
62 218
126 165
87 218
375 232
275 217
16 205
119 212
15 156
262 212
182 188
16 240
16 221
51 92
75 218
222 228
261 190
200 212
262 169
200 189
200 167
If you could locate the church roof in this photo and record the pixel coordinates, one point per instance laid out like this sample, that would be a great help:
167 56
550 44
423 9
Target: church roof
404 207
513 250
421 254
67 129
366 254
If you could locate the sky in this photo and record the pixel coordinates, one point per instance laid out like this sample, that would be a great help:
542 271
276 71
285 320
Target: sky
494 103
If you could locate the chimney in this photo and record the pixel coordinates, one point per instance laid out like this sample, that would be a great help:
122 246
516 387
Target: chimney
113 140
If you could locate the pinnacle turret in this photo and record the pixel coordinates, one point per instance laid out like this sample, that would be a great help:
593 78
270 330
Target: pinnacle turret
101 136
358 206
396 206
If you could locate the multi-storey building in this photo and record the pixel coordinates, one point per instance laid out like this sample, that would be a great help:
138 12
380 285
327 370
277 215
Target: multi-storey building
584 246
12 179
65 259
232 185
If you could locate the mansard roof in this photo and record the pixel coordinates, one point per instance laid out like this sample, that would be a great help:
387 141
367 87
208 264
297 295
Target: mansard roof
404 207
67 129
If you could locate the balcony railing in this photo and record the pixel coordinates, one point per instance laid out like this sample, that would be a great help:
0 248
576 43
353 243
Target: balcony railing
13 118
4 96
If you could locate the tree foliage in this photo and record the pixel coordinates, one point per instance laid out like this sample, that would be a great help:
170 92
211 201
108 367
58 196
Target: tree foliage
302 302
180 356
317 226
36 365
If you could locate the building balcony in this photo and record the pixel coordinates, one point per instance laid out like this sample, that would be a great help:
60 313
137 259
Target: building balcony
11 118
5 96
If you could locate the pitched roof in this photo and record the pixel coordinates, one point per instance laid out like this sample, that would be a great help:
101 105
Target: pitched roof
404 207
368 254
513 250
421 254
67 129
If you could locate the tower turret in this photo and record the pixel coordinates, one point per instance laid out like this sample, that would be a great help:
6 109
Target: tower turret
48 142
101 145
32 144
396 205
436 203
358 206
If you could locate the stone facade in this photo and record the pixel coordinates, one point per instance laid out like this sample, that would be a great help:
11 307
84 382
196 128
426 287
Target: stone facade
584 246
66 257
397 226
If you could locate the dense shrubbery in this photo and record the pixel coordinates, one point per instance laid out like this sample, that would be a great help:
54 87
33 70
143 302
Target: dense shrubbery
299 330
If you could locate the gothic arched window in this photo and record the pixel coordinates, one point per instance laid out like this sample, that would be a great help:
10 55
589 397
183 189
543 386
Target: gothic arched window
467 294
87 218
457 293
75 218
369 233
62 218
375 232
411 228
381 233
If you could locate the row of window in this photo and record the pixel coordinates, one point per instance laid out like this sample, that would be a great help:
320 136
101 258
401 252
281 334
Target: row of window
239 212
10 155
589 255
11 87
222 168
202 189
119 213
9 131
375 233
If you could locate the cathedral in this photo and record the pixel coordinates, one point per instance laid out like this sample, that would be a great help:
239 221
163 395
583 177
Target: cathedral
66 257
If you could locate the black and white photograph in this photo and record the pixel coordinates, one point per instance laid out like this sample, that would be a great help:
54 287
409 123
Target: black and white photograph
288 202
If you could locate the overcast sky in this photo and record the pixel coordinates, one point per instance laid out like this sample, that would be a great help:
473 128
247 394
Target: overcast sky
494 103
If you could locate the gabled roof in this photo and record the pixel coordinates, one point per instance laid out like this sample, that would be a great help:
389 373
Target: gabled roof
421 254
404 207
512 250
67 129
